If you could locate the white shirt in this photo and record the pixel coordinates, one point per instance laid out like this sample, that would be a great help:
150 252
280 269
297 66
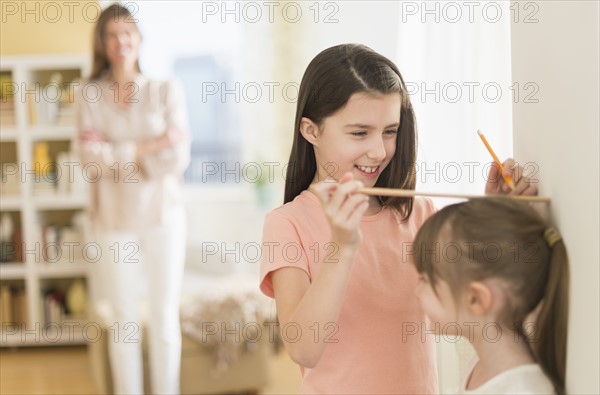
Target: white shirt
524 379
125 194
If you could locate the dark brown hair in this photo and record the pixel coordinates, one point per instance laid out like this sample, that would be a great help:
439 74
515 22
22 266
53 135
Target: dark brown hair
330 79
527 254
100 63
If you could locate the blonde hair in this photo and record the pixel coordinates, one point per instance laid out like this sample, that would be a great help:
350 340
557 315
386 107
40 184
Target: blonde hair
528 254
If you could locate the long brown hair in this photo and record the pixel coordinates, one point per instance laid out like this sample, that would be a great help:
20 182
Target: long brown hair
330 79
100 63
528 254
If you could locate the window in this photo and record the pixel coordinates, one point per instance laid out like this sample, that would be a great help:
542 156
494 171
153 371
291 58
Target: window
213 122
178 45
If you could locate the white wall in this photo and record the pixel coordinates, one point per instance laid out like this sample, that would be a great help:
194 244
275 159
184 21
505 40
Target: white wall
560 134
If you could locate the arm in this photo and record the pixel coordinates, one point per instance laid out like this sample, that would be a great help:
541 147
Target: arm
169 153
303 303
97 153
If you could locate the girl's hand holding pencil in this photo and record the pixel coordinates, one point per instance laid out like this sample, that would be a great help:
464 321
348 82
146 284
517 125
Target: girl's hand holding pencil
497 175
344 209
506 178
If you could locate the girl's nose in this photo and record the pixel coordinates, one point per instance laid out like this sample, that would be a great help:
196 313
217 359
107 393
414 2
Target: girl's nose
377 149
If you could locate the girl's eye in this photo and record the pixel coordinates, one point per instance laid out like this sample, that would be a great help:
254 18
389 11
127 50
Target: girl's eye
359 133
391 131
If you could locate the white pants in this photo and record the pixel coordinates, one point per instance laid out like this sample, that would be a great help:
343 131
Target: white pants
157 255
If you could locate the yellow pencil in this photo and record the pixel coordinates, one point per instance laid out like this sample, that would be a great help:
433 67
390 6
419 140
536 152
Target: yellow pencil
508 179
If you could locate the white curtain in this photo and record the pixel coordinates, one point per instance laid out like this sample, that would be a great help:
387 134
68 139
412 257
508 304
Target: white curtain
455 58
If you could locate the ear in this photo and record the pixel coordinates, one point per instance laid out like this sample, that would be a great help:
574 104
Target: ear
309 130
479 298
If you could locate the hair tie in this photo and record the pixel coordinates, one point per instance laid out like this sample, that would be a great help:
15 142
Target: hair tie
552 236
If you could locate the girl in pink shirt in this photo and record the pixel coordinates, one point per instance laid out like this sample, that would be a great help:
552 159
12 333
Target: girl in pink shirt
336 260
502 263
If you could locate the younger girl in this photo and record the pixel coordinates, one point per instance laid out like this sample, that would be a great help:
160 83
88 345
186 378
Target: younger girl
343 287
484 266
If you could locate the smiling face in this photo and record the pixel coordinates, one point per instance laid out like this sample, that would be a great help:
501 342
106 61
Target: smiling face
359 138
121 42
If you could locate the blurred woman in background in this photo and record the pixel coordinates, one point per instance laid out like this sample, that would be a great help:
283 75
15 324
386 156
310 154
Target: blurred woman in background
134 139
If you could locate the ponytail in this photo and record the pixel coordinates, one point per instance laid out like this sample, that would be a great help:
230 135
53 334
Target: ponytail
550 346
539 279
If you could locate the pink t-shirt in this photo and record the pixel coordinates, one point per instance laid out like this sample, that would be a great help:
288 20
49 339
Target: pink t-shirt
380 348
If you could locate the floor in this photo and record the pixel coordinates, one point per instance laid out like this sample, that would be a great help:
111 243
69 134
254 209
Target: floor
66 371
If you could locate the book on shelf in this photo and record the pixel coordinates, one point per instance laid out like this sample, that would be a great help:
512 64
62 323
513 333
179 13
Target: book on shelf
70 183
50 237
6 313
62 244
18 244
50 113
12 251
19 306
13 306
10 239
7 100
57 177
53 302
11 179
67 115
7 113
45 169
31 110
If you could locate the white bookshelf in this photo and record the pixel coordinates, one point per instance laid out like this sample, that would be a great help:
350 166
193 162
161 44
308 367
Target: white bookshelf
31 212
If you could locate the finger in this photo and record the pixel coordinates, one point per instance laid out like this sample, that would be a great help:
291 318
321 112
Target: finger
494 179
350 205
342 193
521 186
509 164
346 177
88 137
175 135
93 136
512 169
341 224
323 191
357 214
532 190
529 190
